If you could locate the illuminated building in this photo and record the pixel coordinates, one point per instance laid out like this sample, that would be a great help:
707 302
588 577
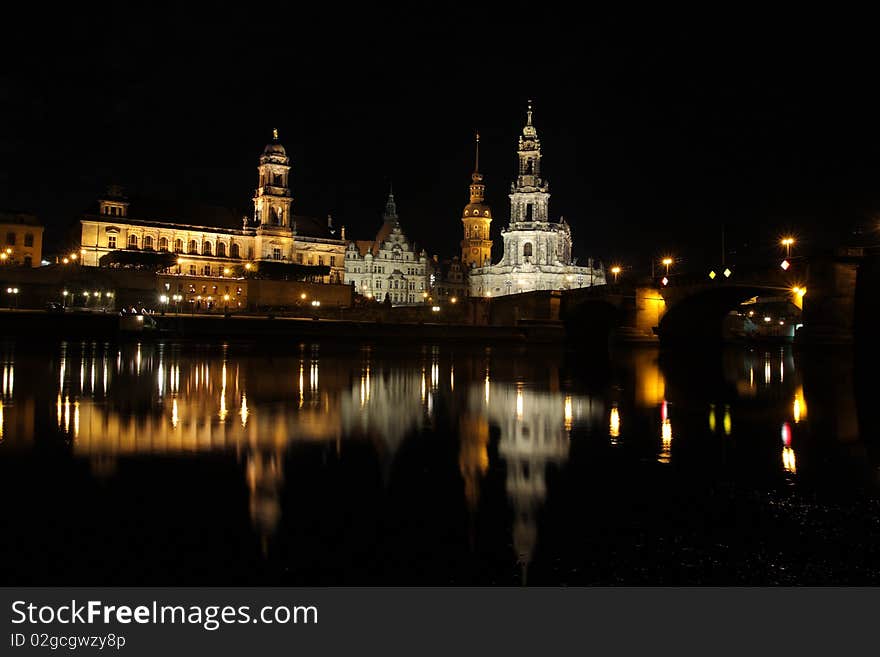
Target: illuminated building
476 247
390 265
215 242
21 240
537 251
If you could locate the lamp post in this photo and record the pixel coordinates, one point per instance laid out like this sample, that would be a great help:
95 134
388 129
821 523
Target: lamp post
616 271
787 243
667 262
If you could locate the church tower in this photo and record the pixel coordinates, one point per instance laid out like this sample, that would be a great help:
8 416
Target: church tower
529 195
272 200
476 247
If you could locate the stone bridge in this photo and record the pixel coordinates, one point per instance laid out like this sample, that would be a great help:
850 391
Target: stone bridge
839 302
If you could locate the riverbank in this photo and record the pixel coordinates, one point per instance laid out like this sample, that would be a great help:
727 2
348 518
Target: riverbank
98 325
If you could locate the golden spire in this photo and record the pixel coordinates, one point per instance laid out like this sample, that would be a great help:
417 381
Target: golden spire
275 134
529 114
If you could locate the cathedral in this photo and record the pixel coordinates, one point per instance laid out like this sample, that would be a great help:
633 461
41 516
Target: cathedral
537 251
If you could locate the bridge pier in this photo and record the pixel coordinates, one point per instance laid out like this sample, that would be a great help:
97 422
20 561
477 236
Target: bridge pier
829 313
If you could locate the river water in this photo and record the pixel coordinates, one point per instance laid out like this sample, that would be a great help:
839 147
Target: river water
188 463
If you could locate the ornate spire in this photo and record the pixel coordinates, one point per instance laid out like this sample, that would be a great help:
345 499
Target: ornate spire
275 134
390 213
529 113
476 176
477 162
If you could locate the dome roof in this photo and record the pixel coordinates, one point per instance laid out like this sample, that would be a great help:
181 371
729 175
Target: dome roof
274 148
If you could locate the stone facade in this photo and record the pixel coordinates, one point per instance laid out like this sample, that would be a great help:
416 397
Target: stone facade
537 251
213 249
389 266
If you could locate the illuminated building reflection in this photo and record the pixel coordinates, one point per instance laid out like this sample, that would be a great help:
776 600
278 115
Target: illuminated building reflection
534 435
665 453
788 458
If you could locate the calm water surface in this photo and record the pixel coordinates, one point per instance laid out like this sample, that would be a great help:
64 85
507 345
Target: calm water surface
326 464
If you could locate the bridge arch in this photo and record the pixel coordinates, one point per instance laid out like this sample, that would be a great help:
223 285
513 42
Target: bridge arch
698 313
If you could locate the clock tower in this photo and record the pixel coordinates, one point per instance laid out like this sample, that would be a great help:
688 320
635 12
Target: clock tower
476 247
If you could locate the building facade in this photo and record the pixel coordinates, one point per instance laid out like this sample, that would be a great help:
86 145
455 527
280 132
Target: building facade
388 267
537 251
476 247
21 240
215 246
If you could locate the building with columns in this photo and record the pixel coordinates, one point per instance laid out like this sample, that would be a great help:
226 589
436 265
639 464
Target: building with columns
211 243
537 250
476 247
390 266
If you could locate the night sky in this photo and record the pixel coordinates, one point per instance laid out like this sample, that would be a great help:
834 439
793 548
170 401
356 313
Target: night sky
657 127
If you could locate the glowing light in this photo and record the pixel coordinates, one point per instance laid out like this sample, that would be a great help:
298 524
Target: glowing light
727 423
786 434
785 264
667 261
614 423
789 463
568 413
712 275
519 404
453 300
243 412
302 296
712 421
175 414
799 406
727 273
665 281
665 441
435 309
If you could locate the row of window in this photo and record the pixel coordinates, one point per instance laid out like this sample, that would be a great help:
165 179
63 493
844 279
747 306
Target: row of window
28 239
207 249
393 285
162 245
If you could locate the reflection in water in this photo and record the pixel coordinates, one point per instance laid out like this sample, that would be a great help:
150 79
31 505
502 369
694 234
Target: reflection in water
799 406
788 460
110 402
534 435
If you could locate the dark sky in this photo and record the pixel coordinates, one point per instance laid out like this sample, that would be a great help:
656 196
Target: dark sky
657 127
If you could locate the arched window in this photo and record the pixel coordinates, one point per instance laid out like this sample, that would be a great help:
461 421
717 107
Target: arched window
132 242
148 242
221 249
193 247
206 248
233 251
528 211
163 243
527 249
178 245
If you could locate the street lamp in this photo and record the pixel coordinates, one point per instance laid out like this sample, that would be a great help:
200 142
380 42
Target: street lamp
226 303
787 242
667 262
616 271
64 294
